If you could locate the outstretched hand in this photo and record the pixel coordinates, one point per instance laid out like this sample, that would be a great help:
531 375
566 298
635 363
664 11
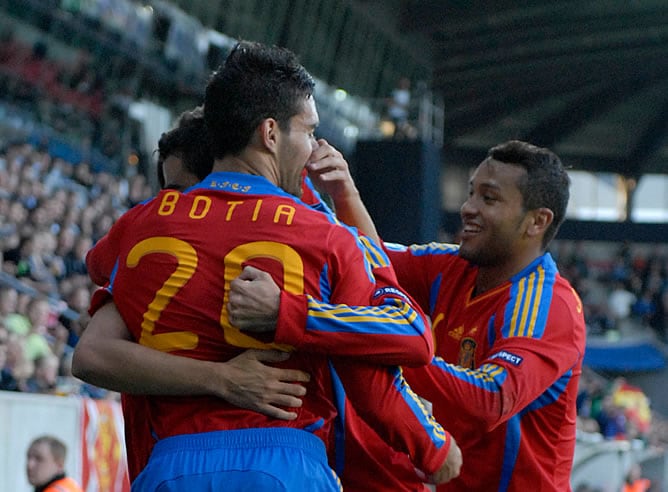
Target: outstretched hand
256 386
254 301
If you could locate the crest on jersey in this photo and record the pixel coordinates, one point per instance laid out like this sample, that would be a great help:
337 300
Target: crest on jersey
467 353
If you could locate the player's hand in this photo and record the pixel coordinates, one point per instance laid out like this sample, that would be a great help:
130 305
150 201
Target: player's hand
451 466
254 301
330 173
255 386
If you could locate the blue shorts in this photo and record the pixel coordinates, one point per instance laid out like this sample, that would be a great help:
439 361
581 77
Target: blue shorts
268 459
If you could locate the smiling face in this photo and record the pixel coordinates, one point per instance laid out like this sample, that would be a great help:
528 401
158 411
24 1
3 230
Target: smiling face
493 216
295 147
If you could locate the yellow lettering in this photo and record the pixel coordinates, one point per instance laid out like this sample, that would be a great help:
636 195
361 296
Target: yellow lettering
206 205
287 211
256 211
168 203
230 210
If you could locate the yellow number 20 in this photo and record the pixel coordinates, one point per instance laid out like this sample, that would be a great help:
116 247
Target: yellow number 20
187 260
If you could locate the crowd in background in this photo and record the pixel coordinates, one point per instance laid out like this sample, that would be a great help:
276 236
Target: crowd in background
625 286
618 411
51 213
73 97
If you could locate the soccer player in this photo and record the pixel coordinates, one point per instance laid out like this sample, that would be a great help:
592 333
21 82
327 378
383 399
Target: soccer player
176 245
508 329
183 160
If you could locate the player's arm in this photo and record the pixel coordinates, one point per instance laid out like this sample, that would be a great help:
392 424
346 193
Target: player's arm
395 412
389 329
106 356
101 258
329 170
533 365
420 268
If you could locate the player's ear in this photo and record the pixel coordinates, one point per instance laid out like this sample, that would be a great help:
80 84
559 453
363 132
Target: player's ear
539 220
268 134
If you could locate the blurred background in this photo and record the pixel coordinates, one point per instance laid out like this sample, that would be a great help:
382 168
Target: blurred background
413 92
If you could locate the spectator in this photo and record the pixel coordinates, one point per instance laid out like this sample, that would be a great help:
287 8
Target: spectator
620 301
42 209
36 343
39 265
644 307
46 466
14 320
659 321
589 401
9 299
75 259
611 420
18 365
634 481
78 300
45 375
66 237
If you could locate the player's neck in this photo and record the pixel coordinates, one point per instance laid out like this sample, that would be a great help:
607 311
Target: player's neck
247 162
491 276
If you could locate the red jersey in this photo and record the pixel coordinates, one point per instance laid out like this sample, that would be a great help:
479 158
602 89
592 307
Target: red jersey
184 249
507 368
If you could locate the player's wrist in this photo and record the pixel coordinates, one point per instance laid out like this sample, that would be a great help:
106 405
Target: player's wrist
346 195
214 379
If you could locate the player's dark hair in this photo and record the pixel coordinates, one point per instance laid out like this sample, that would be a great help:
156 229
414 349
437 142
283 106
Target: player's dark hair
189 141
255 82
546 183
